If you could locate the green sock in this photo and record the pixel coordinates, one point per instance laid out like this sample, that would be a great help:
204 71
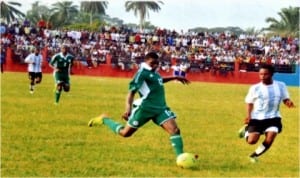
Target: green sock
114 126
57 96
177 144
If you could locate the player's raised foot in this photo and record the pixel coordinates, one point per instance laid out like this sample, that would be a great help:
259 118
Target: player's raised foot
242 131
253 159
31 91
96 120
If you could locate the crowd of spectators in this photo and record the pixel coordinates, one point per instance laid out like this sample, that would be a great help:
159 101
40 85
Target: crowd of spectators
193 52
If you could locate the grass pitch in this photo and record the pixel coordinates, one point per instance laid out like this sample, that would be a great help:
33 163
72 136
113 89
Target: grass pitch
39 139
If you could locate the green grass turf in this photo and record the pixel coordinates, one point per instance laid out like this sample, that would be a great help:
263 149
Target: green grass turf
39 139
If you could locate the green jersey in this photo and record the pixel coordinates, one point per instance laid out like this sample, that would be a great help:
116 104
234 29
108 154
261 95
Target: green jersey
149 85
63 63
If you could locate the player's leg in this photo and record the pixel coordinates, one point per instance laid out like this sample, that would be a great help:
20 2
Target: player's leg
58 90
171 127
252 138
252 134
271 127
38 77
270 137
135 120
242 131
31 76
66 87
2 67
117 128
58 86
66 84
167 121
127 131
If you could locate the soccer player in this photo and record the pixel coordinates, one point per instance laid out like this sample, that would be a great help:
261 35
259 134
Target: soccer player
150 106
263 115
61 63
34 61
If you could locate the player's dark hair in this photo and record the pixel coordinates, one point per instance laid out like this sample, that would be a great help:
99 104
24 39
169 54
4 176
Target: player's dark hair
152 55
269 67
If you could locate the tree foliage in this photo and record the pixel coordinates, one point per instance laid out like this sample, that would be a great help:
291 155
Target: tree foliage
141 9
93 7
288 24
38 12
64 13
9 12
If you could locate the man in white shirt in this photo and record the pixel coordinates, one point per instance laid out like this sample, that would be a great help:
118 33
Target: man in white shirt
34 61
263 115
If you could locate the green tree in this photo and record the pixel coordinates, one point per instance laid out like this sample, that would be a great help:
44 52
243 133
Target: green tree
93 7
64 13
288 24
254 31
141 9
38 12
9 12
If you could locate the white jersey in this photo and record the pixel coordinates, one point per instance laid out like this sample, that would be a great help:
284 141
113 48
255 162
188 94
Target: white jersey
34 62
266 99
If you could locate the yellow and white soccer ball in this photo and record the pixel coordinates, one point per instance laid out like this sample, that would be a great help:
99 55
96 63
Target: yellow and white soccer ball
187 160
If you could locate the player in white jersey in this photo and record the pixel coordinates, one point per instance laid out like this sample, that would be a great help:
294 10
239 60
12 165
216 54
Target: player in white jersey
263 115
34 61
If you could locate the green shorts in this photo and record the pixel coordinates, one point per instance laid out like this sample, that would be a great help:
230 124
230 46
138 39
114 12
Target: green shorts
140 116
60 77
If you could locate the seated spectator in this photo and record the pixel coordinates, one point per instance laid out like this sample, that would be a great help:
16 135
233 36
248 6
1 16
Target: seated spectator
95 57
176 69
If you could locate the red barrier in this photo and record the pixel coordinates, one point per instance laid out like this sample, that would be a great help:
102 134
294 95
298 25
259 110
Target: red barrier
108 70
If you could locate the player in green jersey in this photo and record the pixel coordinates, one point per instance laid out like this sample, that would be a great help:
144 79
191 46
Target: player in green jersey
61 63
150 106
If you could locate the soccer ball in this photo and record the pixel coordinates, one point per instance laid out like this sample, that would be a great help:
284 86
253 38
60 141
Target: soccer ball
186 160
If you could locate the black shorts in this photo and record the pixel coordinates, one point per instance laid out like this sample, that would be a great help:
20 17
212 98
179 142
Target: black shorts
260 126
34 75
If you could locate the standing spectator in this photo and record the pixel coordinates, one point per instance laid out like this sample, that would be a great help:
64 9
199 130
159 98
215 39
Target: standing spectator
61 63
34 61
176 68
263 116
183 69
2 58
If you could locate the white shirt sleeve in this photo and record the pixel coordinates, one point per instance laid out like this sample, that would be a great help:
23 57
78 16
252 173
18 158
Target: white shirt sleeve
28 59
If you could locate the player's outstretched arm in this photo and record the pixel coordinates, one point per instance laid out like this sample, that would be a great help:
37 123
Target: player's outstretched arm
289 103
128 105
183 80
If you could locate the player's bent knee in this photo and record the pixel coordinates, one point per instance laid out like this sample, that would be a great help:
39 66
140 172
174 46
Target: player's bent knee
174 131
127 135
127 132
177 131
58 88
251 141
66 88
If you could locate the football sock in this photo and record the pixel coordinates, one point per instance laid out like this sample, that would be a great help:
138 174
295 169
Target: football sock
260 149
114 126
177 143
57 96
31 87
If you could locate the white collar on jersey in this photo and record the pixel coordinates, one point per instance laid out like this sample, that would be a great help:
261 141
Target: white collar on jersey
61 54
145 66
